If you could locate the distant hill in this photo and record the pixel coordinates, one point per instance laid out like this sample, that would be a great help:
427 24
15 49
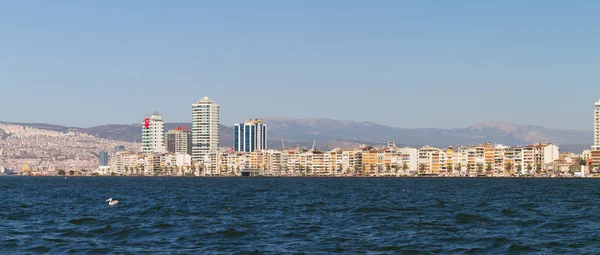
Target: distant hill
330 133
327 130
129 133
133 132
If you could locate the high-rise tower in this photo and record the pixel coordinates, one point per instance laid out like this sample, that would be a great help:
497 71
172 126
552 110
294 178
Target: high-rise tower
103 158
179 141
153 134
596 126
250 136
205 128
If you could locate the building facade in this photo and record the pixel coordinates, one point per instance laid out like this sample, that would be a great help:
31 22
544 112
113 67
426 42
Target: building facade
475 160
179 141
119 148
153 134
550 153
103 158
205 128
250 136
596 126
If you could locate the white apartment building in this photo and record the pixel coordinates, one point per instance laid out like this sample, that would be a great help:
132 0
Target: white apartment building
153 134
410 157
205 128
214 163
180 160
428 161
124 162
550 153
596 126
586 154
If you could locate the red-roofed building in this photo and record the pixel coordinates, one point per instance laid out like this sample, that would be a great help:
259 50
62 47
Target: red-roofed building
179 140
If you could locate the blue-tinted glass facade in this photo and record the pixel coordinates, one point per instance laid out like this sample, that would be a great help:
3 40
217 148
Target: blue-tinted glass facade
103 158
236 137
264 137
249 137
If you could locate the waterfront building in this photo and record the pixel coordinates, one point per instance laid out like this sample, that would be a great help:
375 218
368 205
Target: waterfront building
153 134
460 160
594 160
489 152
509 160
369 161
550 153
205 128
179 141
596 126
176 164
183 160
124 162
409 157
518 159
442 163
103 158
528 159
213 162
499 162
152 164
273 162
429 160
317 163
250 136
236 161
103 170
586 154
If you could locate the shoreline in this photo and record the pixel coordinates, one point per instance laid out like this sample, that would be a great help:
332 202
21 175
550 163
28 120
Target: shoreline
315 177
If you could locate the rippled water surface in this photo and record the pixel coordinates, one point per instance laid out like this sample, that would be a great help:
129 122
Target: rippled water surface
310 216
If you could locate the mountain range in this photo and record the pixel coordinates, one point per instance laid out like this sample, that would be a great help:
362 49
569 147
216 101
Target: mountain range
329 133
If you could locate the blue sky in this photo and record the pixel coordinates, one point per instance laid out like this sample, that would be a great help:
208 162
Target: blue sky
407 64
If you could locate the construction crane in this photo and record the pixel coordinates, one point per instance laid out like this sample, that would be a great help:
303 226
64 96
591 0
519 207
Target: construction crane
313 147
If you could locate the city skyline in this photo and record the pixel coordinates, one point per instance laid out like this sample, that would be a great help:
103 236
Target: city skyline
338 126
481 61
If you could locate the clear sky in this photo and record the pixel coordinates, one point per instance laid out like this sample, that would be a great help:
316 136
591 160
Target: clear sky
400 63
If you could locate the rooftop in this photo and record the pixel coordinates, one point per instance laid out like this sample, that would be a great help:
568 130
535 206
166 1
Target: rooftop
205 100
180 128
253 121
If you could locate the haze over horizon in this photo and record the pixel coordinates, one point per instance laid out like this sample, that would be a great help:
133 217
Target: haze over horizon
400 64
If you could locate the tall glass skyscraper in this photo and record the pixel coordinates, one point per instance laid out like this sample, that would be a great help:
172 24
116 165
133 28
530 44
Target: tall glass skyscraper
250 136
103 158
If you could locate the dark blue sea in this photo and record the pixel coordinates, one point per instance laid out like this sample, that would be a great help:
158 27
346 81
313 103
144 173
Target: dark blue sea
299 216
